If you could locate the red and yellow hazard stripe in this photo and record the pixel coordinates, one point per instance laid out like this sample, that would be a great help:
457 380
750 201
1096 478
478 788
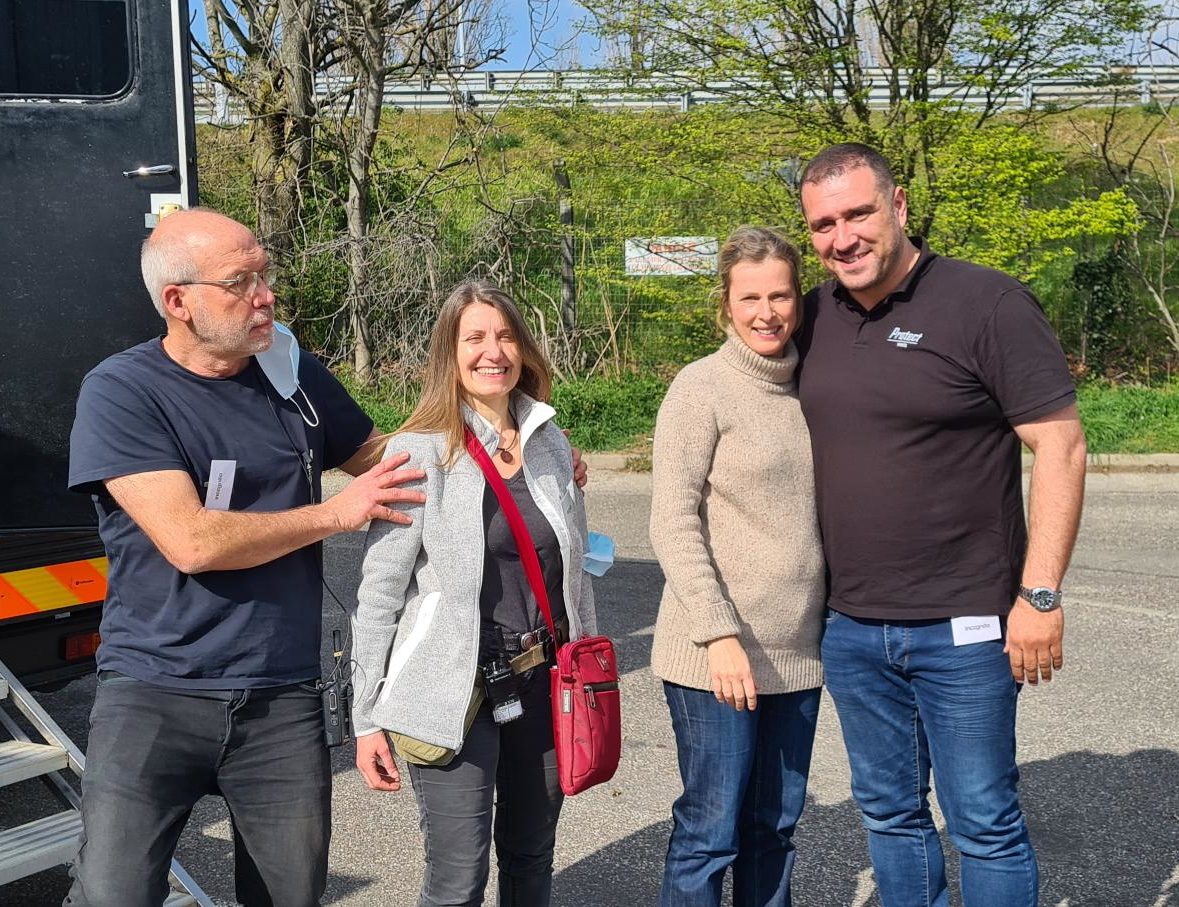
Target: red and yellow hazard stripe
50 588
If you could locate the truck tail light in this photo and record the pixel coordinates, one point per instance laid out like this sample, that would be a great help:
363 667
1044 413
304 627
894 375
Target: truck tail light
78 646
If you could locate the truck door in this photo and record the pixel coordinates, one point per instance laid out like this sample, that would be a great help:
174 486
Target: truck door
96 141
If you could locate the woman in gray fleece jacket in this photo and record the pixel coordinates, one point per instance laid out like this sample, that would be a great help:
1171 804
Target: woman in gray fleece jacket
733 524
445 597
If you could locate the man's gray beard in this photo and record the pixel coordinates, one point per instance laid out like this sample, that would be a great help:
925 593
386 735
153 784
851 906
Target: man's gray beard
231 344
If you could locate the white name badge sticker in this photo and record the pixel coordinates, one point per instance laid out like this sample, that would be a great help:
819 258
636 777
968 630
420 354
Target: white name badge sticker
220 488
969 630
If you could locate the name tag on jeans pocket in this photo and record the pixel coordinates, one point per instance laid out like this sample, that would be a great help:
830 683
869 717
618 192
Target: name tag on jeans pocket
220 490
969 630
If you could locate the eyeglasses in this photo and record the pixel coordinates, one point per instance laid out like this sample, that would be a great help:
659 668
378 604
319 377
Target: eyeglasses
245 284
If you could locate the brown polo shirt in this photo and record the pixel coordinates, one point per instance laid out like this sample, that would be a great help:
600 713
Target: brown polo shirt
910 408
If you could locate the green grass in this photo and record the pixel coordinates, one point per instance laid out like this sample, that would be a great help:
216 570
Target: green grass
608 413
383 408
1130 419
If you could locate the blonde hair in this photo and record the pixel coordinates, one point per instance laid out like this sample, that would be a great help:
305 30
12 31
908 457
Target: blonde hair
754 244
440 407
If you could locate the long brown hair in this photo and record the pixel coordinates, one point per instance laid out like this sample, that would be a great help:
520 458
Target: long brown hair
440 407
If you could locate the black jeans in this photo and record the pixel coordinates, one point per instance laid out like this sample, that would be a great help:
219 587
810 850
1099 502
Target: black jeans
517 765
154 752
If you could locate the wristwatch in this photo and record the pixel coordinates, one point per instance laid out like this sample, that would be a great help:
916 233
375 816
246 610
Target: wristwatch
1041 598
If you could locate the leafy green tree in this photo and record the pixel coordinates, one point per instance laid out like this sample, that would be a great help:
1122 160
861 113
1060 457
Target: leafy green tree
1007 198
1134 152
905 76
1108 344
264 54
1002 204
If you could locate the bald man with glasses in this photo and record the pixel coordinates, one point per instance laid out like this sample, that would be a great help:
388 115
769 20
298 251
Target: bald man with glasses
206 479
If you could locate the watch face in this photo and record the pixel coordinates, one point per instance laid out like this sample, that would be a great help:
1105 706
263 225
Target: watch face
1043 599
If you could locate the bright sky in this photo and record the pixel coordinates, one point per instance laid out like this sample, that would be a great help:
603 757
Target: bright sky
550 34
555 27
544 34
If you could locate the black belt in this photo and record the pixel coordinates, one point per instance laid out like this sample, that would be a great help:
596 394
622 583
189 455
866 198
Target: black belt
516 643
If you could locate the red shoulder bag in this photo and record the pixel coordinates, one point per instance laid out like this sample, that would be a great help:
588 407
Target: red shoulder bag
587 715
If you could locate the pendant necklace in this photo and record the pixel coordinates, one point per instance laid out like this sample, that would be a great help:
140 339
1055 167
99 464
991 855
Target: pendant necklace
505 451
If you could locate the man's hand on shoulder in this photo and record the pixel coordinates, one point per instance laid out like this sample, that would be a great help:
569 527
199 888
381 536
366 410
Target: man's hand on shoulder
370 495
580 470
195 539
1035 642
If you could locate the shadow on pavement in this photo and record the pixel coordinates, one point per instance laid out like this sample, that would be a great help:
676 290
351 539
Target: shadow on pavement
628 600
627 873
1105 828
624 872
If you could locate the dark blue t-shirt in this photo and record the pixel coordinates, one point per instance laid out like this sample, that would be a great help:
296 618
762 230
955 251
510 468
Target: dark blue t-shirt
138 412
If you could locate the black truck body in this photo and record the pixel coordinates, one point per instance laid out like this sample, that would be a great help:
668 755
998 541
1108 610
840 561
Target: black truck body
96 143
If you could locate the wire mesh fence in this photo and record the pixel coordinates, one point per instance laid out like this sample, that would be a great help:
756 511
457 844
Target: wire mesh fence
591 318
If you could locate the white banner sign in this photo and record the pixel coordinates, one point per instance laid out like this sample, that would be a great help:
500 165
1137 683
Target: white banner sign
671 255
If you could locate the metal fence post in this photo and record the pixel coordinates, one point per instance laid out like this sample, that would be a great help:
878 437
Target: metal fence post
568 276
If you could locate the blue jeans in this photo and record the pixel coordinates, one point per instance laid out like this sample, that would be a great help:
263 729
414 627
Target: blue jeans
744 776
908 699
153 752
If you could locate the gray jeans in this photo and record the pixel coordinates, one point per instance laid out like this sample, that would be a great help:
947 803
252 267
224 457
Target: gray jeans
517 766
154 752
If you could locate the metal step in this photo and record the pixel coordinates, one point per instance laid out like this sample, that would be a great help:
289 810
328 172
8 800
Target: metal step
39 845
54 840
20 761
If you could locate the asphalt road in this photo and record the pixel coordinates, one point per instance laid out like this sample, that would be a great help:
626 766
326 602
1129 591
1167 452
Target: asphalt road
1098 748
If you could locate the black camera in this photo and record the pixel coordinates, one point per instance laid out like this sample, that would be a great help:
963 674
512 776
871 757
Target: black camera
502 690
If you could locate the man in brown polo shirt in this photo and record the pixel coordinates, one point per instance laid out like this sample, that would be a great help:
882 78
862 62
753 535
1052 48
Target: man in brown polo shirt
921 377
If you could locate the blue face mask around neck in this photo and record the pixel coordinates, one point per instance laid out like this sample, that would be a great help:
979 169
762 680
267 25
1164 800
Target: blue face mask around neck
280 363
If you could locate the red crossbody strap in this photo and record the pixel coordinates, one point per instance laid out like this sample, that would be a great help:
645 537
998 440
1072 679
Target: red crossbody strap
516 523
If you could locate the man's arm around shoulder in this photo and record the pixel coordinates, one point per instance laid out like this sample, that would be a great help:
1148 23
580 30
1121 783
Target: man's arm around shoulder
165 505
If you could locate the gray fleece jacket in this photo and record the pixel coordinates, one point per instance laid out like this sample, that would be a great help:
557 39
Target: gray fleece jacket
416 626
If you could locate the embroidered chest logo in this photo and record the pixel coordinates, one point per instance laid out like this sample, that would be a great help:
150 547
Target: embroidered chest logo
904 339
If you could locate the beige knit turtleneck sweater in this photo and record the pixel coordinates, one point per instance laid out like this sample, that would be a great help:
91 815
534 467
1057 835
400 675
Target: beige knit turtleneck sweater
733 522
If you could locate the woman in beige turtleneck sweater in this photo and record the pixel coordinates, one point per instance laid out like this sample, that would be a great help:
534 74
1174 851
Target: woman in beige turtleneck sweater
737 639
